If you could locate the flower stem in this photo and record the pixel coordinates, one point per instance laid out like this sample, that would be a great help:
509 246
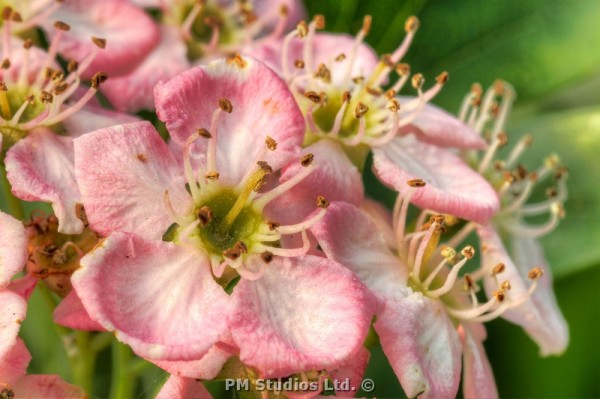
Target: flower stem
15 207
122 383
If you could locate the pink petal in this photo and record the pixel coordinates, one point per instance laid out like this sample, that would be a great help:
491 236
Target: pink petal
382 217
188 388
422 346
12 314
35 62
436 126
262 105
13 364
13 248
123 172
40 167
130 34
71 313
48 387
23 286
478 378
134 92
205 368
94 117
290 320
334 177
158 297
452 186
539 316
353 371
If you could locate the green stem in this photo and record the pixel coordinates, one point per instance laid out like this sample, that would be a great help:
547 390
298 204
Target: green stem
101 341
122 383
15 207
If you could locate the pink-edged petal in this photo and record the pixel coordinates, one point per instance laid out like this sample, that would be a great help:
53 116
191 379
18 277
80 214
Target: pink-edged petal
295 11
349 237
262 105
303 314
41 168
382 217
352 371
539 316
130 34
71 313
94 117
452 186
13 248
334 177
12 313
134 92
478 378
123 172
421 344
47 387
183 388
23 286
13 364
158 297
435 126
205 368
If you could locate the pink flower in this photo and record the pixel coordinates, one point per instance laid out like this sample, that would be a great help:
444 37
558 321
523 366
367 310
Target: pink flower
14 383
237 124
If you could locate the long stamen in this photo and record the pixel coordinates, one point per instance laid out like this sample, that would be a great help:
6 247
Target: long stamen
364 31
346 96
468 253
557 212
391 133
269 196
211 155
15 120
287 252
187 167
189 20
251 184
322 203
416 269
414 185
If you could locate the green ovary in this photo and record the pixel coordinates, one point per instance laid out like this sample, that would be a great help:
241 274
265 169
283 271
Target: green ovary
10 102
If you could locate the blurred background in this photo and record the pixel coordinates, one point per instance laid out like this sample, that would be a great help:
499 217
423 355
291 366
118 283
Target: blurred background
550 51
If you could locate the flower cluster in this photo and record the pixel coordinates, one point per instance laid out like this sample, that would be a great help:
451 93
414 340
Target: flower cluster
225 231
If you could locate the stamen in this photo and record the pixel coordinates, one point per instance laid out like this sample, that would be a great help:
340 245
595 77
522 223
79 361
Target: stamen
416 270
193 182
204 215
401 220
269 196
287 252
322 204
250 185
357 42
346 96
211 155
4 103
189 20
557 212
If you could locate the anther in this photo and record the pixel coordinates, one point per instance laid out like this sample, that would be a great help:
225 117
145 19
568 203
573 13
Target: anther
62 26
390 94
374 91
72 66
271 143
212 176
387 60
499 87
272 224
302 29
442 78
101 43
360 110
57 76
225 105
358 79
264 166
412 24
499 295
299 64
416 183
502 138
205 215
241 246
323 73
307 160
27 44
6 13
98 79
313 96
505 286
469 283
322 202
81 214
468 252
393 105
3 86
366 24
5 63
16 17
237 60
267 257
448 253
232 253
284 10
340 57
535 273
551 192
499 268
418 80
319 21
403 69
558 209
204 133
346 97
46 97
60 88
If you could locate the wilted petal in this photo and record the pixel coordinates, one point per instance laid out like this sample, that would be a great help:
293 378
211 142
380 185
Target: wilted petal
41 168
123 172
302 314
452 186
158 297
184 388
13 248
262 105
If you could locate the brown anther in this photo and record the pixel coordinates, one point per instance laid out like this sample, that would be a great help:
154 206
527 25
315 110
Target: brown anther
403 69
374 91
204 133
322 202
265 167
533 176
412 24
390 94
502 138
367 24
498 165
418 80
81 215
267 257
214 21
271 143
241 246
284 10
387 60
60 88
558 209
16 17
520 173
99 42
5 63
272 224
143 158
212 176
505 286
27 44
299 64
72 66
225 105
249 18
232 253
46 97
3 86
393 105
358 79
416 183
30 99
319 21
469 283
448 253
6 13
551 192
204 215
340 57
323 73
442 78
313 96
494 109
98 79
302 29
57 75
62 26
307 160
346 97
499 268
7 393
500 296
508 177
527 140
499 87
237 60
535 273
477 89
360 110
561 173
